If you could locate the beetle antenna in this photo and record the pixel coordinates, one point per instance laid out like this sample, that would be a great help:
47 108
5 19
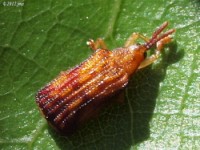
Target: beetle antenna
155 37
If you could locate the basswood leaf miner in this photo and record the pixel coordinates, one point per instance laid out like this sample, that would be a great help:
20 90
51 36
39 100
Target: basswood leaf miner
77 94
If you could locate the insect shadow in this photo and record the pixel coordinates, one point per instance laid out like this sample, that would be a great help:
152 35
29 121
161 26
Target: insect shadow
121 126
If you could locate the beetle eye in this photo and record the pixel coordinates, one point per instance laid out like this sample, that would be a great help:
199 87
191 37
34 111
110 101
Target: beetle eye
145 54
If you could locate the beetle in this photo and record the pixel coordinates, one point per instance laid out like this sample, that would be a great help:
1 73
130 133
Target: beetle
77 94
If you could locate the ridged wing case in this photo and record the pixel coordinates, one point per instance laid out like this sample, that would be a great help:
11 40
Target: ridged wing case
75 95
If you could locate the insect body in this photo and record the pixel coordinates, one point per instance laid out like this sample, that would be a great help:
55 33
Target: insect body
75 95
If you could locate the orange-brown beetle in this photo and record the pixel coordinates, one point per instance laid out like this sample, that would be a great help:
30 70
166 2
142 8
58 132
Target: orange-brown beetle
75 95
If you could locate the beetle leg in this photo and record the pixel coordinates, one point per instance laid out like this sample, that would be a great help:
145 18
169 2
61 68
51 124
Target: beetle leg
131 40
149 60
159 46
94 45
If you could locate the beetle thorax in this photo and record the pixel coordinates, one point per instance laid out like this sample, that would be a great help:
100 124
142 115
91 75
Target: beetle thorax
129 58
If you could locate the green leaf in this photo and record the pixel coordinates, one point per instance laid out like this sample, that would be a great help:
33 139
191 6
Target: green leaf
38 39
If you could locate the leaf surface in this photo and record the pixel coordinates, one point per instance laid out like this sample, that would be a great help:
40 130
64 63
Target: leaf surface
38 39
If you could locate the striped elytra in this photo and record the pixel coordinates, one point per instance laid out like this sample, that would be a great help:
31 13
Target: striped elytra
77 94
